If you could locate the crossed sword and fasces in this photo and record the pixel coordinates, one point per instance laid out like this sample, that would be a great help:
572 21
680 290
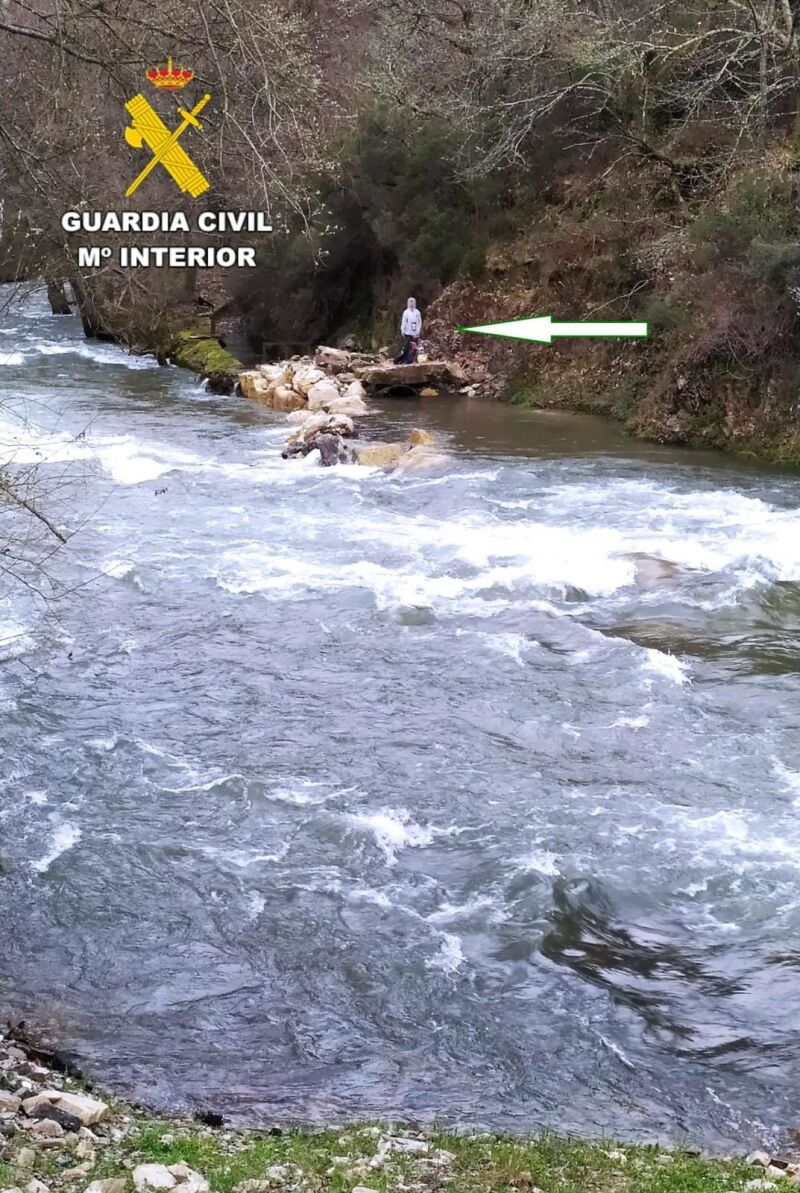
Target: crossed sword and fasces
149 128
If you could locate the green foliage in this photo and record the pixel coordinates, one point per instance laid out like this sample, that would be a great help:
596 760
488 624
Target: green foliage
665 313
758 210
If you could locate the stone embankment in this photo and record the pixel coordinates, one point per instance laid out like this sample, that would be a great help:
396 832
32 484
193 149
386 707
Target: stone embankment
323 397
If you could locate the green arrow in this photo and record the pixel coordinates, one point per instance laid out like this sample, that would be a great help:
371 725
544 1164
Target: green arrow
544 330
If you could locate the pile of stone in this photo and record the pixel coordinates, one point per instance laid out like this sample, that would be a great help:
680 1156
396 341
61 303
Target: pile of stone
775 1171
326 383
322 398
48 1124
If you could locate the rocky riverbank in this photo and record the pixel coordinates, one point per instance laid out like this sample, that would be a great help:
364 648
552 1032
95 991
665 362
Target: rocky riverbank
59 1135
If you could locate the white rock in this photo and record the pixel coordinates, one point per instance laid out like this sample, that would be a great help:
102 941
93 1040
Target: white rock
189 1180
14 1189
322 394
112 1184
617 1156
760 1158
364 1189
153 1176
36 1186
25 1158
346 405
279 374
774 1172
306 377
759 1183
355 390
665 1159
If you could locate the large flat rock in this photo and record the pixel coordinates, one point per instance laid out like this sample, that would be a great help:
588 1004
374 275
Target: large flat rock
433 372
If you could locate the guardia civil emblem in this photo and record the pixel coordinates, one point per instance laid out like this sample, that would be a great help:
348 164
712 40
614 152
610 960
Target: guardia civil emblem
148 129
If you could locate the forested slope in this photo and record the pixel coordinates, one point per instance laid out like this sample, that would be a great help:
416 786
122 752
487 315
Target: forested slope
496 159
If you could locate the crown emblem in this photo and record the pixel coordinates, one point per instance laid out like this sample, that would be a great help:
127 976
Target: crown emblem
169 77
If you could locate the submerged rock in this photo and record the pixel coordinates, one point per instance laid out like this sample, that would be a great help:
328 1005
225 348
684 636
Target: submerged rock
379 455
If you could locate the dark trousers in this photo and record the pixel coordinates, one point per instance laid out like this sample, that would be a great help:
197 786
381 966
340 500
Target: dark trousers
409 353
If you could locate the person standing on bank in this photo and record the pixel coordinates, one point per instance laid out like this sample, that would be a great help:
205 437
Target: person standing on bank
411 330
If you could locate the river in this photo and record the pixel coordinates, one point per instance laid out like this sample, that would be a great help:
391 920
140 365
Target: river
335 793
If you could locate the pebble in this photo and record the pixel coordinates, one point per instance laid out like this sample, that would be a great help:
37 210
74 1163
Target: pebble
84 1150
47 1129
36 1186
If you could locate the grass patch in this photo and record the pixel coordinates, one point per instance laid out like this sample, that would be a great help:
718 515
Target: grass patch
338 1160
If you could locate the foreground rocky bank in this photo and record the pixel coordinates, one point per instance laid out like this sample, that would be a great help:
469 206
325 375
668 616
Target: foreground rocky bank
58 1135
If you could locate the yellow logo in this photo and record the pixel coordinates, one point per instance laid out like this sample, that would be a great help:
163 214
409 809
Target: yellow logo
149 129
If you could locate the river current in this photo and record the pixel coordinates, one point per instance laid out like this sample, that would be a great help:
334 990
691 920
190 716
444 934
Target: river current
336 793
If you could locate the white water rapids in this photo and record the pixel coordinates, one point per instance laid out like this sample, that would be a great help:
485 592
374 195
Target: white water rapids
335 793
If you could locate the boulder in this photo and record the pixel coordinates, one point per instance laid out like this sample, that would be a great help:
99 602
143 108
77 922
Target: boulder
153 1176
333 450
418 459
82 1107
281 397
389 376
57 1114
332 360
348 405
428 391
305 377
298 417
420 438
254 385
378 455
9 1103
322 394
279 374
356 390
321 423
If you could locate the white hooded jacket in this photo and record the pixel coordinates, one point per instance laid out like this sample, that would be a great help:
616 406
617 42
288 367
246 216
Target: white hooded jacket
412 323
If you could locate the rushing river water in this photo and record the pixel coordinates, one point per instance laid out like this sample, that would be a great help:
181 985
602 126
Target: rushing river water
333 793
